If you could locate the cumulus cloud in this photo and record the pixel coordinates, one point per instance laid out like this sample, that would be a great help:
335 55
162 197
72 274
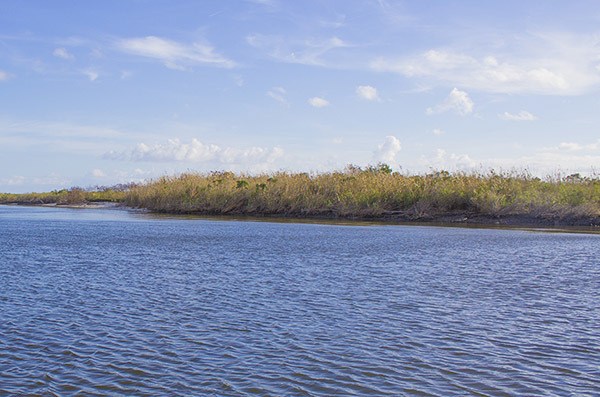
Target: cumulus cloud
318 102
457 101
438 131
173 54
195 152
278 94
388 150
62 53
367 92
452 161
98 173
521 116
549 64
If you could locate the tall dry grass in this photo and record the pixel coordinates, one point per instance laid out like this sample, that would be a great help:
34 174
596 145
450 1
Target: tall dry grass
73 195
371 192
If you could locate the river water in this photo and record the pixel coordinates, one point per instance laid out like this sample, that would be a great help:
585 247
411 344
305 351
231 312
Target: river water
110 302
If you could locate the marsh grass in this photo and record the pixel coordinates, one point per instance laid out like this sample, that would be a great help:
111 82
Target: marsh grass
70 196
371 192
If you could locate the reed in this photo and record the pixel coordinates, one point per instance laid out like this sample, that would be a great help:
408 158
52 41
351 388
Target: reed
70 196
371 192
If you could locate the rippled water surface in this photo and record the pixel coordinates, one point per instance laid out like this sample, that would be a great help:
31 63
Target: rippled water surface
107 302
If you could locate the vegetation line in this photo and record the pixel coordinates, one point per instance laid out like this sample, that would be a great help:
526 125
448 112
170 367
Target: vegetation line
374 192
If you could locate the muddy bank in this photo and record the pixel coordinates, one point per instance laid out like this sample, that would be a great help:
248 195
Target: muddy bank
460 218
456 218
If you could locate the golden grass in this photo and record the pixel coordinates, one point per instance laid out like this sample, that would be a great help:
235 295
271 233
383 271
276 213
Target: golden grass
65 196
370 192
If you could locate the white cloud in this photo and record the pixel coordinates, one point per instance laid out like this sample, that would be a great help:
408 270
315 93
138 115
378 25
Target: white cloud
388 150
457 101
91 74
62 53
566 158
3 75
311 52
521 116
438 131
452 161
573 147
548 64
196 152
549 162
98 173
318 102
173 54
13 181
278 93
367 92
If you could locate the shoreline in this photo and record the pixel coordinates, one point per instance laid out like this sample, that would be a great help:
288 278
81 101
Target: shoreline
453 219
458 219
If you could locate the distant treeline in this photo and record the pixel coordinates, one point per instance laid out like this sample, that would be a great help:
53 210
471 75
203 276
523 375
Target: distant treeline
74 195
369 192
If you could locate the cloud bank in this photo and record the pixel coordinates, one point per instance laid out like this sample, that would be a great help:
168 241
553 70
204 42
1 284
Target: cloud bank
197 152
546 64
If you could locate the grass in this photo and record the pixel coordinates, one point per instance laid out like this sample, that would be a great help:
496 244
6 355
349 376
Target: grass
71 196
371 192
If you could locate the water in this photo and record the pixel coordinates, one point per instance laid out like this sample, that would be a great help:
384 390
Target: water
107 302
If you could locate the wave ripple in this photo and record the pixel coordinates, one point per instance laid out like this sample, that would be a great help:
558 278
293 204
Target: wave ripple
139 306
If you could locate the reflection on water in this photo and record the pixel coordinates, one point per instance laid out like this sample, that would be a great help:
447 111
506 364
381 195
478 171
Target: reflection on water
106 302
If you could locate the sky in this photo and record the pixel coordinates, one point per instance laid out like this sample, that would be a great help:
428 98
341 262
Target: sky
95 93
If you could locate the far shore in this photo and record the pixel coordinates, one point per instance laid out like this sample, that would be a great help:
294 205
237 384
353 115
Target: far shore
371 194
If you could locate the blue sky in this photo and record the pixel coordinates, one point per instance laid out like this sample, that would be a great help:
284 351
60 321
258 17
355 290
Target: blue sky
105 92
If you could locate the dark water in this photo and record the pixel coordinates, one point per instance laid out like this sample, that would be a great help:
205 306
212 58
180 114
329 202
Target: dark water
105 302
